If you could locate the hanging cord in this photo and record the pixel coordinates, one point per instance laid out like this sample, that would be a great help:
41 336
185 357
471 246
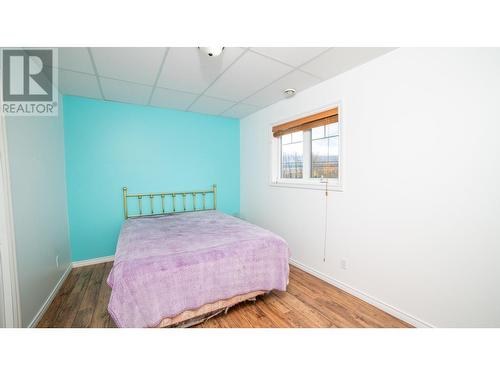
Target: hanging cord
326 218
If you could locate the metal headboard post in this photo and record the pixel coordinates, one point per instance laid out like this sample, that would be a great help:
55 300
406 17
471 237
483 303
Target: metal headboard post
214 189
125 211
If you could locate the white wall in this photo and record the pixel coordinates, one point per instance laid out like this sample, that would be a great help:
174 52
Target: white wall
418 220
36 157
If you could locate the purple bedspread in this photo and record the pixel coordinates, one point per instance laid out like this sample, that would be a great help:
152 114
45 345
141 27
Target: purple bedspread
167 264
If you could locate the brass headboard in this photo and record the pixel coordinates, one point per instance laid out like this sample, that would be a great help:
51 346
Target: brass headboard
172 200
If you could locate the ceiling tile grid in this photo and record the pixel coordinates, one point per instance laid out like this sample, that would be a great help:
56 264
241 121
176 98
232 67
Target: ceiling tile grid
79 84
75 59
210 105
240 110
235 84
138 65
297 80
188 69
292 56
173 99
339 60
126 92
249 74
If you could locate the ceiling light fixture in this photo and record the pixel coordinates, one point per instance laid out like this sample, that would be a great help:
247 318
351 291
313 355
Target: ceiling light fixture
289 92
212 51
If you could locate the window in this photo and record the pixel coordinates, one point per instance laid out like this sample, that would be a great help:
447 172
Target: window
307 151
292 151
325 151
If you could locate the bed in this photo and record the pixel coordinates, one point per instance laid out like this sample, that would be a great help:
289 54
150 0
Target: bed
183 261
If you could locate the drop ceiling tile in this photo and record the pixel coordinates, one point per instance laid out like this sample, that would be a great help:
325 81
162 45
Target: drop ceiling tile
76 59
295 80
188 69
212 106
291 55
172 99
126 92
139 65
240 110
339 60
78 84
247 75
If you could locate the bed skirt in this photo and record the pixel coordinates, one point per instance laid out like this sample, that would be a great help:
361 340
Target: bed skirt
190 318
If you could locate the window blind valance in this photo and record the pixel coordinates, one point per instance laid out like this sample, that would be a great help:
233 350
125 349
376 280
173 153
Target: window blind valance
329 116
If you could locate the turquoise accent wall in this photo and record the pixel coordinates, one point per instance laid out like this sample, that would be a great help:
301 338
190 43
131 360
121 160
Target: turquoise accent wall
109 145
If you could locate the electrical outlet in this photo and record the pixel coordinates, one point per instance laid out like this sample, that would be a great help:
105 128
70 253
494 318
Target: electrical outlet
57 261
343 263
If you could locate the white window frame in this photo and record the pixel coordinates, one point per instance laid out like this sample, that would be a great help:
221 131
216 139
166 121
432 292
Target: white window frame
333 184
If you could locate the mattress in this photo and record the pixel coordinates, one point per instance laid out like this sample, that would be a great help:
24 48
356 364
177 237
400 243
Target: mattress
168 264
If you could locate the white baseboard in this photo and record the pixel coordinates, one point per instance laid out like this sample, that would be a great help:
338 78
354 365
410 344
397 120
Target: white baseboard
365 297
50 298
52 295
89 262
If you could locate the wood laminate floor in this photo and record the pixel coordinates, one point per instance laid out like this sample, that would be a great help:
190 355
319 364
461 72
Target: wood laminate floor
83 299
